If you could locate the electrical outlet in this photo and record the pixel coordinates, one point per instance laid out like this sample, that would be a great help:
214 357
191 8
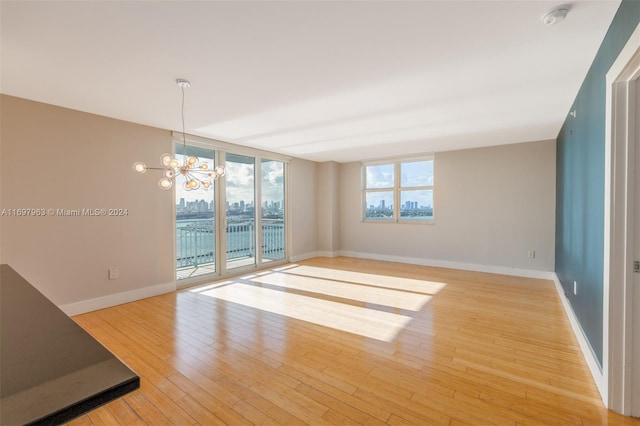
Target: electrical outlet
531 254
575 288
113 273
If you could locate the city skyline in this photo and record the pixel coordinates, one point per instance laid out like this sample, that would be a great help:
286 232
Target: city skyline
408 205
240 182
203 206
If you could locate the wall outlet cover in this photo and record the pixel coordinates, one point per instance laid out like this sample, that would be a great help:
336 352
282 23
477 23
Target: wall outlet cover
113 273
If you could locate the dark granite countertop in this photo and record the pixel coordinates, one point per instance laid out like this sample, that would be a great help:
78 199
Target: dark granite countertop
51 370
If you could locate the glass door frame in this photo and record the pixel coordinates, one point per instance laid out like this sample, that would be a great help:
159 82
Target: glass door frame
224 270
220 215
207 154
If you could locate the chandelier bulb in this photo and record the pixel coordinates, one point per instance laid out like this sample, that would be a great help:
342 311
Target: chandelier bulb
165 183
139 167
165 159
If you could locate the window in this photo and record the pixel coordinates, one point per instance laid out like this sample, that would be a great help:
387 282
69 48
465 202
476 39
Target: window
398 191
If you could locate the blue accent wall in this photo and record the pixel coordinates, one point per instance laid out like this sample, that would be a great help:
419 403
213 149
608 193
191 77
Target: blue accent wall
580 183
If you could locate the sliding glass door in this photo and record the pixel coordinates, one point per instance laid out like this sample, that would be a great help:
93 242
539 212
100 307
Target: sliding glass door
240 229
272 211
195 222
238 223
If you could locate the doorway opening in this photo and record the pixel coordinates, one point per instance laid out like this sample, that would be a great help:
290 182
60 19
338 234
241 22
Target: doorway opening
621 318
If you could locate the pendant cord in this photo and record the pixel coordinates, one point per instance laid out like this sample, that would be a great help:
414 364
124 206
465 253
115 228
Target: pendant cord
184 139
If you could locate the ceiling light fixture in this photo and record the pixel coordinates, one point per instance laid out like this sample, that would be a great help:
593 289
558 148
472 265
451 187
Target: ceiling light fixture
555 15
196 174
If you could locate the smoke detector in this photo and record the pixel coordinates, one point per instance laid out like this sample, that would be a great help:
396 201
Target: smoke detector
555 15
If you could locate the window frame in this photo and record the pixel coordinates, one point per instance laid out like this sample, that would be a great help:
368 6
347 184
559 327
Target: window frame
396 189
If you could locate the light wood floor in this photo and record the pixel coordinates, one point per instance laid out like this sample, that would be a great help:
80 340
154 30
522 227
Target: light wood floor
346 341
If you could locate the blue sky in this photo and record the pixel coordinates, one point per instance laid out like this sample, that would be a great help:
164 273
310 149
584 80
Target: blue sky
412 174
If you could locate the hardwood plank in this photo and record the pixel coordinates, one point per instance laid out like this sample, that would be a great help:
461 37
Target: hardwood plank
146 410
103 417
484 349
81 421
124 413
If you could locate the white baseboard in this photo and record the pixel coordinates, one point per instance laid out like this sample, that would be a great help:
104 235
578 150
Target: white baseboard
89 305
503 270
587 352
303 256
321 253
328 253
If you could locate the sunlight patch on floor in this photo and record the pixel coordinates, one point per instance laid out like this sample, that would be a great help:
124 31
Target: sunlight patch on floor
365 322
384 281
378 296
375 291
203 288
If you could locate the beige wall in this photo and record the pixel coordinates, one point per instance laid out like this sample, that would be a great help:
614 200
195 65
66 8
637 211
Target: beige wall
55 158
58 158
303 211
328 207
491 205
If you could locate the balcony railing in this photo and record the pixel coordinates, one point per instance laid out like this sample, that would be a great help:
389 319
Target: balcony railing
195 241
273 239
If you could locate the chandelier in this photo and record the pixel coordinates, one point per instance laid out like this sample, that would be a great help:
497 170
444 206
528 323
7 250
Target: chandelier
196 174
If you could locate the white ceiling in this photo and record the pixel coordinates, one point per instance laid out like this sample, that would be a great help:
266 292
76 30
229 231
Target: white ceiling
322 80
